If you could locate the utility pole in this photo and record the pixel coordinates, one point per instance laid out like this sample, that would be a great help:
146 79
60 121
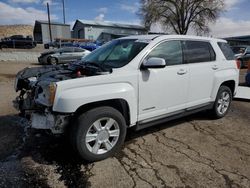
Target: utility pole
50 34
63 11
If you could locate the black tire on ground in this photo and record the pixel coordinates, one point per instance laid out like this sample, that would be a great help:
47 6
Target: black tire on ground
46 46
28 46
53 60
223 93
85 123
4 46
241 64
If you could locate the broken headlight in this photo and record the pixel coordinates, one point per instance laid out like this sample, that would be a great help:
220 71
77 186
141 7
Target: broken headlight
46 94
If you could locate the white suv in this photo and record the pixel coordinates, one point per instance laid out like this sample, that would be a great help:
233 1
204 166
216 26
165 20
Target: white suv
135 81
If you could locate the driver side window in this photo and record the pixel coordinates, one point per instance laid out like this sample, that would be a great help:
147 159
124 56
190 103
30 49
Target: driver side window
171 51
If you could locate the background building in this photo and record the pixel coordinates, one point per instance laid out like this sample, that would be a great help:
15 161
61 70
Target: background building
238 40
58 30
104 31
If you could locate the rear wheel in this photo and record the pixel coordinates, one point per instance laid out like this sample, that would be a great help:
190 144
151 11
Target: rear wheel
99 133
222 102
241 64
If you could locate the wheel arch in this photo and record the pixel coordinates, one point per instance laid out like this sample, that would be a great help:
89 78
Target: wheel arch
119 104
230 84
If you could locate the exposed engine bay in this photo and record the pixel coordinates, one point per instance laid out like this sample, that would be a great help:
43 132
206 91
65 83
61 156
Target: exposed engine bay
37 87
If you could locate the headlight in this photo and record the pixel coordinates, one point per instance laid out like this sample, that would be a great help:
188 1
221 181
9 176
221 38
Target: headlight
46 94
52 92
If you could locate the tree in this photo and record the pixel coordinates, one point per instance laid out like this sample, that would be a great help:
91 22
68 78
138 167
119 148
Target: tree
179 16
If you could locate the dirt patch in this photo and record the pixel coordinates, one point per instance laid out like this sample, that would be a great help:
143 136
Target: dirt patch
11 135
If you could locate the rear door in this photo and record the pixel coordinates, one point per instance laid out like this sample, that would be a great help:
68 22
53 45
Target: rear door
78 54
201 60
66 55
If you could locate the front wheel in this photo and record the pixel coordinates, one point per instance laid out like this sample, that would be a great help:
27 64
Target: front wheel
222 102
53 60
99 133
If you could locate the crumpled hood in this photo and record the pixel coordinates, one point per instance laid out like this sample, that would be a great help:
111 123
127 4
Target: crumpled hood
29 77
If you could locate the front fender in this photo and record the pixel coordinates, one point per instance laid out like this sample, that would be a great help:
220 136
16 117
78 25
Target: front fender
70 100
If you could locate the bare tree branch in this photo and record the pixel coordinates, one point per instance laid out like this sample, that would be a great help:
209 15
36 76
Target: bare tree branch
181 15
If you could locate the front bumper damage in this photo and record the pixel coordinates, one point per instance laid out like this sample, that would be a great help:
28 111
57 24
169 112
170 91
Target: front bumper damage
46 120
49 121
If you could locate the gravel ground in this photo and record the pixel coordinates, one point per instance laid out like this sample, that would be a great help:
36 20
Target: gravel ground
19 56
190 152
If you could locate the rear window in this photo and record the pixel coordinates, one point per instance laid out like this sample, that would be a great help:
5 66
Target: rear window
198 51
226 50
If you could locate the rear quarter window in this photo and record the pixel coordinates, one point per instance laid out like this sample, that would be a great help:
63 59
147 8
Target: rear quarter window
226 50
198 51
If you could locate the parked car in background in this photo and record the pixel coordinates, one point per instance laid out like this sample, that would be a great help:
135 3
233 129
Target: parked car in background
18 41
62 55
242 53
57 44
248 79
91 46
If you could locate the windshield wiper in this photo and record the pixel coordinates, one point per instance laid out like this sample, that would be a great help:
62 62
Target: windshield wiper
97 65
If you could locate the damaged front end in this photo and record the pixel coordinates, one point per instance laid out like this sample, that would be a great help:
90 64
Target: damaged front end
37 89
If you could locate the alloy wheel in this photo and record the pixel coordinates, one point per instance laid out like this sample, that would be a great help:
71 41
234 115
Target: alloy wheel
102 135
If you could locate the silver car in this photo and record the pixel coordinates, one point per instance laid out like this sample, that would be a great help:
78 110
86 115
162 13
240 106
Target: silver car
62 55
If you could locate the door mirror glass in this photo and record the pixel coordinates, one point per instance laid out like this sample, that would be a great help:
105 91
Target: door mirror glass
154 62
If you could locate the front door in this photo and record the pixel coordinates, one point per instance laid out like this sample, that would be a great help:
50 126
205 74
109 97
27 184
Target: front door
163 91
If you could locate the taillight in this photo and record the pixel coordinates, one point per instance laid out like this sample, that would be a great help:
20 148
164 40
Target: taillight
238 63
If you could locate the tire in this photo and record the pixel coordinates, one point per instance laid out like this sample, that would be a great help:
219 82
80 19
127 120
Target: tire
46 46
4 46
222 102
28 46
98 123
53 60
241 64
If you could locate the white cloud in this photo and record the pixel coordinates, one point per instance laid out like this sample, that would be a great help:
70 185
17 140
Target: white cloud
100 17
51 2
130 8
71 23
24 1
230 4
103 10
225 27
13 15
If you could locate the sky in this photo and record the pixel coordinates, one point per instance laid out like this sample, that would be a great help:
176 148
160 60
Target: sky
234 21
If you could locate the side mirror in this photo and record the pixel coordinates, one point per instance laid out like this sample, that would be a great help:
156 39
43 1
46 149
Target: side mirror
154 63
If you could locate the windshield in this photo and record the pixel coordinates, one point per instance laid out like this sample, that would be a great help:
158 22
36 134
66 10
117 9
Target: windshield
239 50
116 53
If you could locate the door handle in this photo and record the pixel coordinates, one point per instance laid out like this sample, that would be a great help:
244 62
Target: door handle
181 72
215 67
